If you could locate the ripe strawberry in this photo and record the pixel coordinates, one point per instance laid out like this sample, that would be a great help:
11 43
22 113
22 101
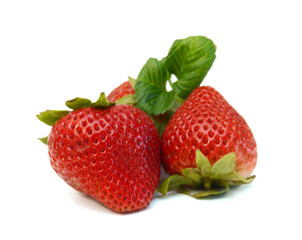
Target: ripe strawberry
111 154
207 122
124 89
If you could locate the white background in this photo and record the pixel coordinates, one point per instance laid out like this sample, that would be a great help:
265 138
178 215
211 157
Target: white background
52 51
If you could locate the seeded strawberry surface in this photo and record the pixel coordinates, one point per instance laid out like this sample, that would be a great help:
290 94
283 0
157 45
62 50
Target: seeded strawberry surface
111 154
206 121
122 90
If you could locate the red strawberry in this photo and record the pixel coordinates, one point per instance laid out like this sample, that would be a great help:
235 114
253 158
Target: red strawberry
124 89
111 154
207 122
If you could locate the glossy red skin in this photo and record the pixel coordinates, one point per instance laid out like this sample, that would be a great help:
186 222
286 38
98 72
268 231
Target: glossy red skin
112 155
206 121
121 91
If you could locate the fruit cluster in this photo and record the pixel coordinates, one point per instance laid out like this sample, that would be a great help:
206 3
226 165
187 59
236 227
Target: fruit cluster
113 149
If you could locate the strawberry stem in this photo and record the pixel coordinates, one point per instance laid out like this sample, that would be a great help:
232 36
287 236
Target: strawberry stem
207 184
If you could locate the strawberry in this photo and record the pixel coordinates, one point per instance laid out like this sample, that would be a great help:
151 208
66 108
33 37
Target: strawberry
122 90
110 152
208 142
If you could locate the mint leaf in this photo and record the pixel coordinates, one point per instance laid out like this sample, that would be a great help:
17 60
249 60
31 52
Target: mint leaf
150 88
190 60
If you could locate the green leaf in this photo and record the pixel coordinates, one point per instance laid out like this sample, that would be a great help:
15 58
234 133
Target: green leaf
189 60
150 88
128 99
216 191
44 140
77 103
50 117
102 102
203 164
200 193
192 173
173 182
132 81
236 179
223 166
250 178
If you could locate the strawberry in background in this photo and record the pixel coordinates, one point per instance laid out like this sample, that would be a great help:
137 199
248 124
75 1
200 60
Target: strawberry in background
122 90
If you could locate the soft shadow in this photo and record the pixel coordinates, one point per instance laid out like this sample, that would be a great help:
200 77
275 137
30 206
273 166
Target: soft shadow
85 201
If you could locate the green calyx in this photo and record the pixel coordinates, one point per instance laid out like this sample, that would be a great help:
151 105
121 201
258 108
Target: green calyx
50 117
206 180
